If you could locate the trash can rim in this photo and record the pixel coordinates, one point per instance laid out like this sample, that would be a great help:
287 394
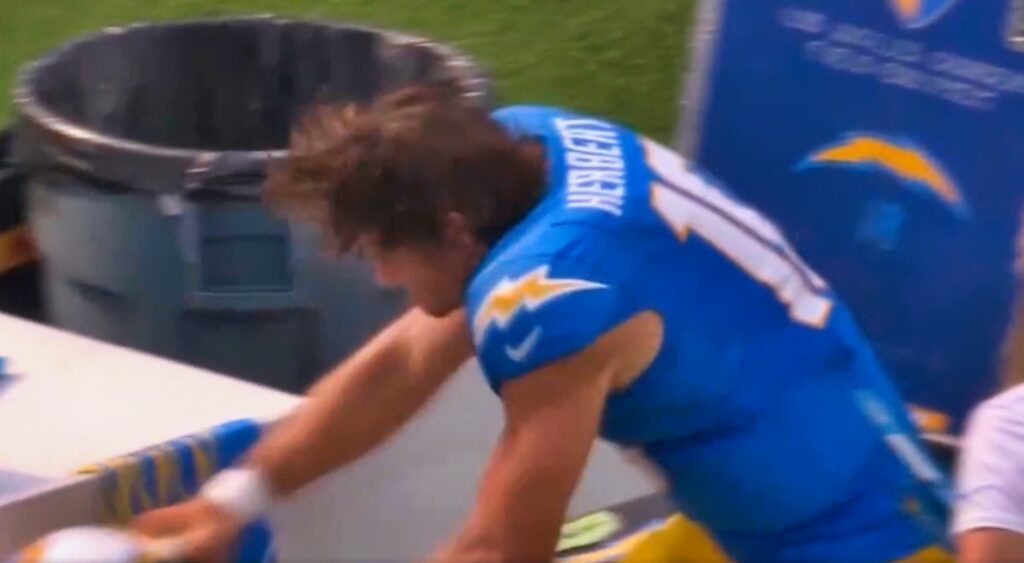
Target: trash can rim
27 105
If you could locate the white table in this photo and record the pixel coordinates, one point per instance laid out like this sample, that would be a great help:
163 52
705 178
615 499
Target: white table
79 401
76 401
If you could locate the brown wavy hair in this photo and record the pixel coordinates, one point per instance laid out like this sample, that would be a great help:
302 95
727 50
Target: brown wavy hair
397 167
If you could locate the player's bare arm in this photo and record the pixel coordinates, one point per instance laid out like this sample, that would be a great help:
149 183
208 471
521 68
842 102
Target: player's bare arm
365 399
552 417
347 413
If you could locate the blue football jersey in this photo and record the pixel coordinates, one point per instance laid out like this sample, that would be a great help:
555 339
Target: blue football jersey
754 407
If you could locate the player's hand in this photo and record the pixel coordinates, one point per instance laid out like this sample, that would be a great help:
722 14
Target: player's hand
207 533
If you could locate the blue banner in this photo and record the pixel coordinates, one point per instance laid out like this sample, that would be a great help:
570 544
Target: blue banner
886 139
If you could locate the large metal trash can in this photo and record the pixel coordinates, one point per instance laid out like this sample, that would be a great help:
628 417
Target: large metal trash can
145 148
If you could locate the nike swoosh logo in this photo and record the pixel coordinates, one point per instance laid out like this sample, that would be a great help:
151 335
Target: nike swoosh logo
519 353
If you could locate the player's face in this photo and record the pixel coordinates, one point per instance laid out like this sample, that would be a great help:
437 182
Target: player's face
432 275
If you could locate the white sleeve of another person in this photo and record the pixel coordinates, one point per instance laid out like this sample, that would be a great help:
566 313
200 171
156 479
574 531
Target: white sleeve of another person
990 477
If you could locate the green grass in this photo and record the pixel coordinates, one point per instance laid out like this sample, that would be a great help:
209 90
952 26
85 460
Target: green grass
595 56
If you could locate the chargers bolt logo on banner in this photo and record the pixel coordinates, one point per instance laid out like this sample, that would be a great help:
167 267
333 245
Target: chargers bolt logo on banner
903 161
915 14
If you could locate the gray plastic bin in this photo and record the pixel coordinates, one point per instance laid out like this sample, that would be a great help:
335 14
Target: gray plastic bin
145 148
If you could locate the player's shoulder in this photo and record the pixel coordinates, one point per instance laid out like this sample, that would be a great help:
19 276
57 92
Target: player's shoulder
527 119
530 289
528 112
998 416
531 252
534 117
531 305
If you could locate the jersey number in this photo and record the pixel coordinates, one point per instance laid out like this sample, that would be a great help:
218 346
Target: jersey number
689 204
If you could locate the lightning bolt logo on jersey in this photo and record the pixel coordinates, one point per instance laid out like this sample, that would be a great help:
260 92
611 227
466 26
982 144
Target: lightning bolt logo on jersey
526 293
750 406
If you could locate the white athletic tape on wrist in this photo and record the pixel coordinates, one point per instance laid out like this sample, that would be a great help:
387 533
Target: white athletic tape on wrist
166 549
242 492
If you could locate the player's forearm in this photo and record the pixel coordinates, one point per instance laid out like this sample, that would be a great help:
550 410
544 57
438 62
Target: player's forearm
507 526
520 505
361 402
488 534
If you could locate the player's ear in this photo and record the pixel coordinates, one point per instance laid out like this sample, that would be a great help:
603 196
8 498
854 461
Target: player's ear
458 231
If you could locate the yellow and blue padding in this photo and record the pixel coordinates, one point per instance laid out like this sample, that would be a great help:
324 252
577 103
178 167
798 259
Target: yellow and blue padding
170 472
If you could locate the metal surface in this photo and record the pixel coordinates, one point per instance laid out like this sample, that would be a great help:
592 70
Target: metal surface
57 130
696 76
